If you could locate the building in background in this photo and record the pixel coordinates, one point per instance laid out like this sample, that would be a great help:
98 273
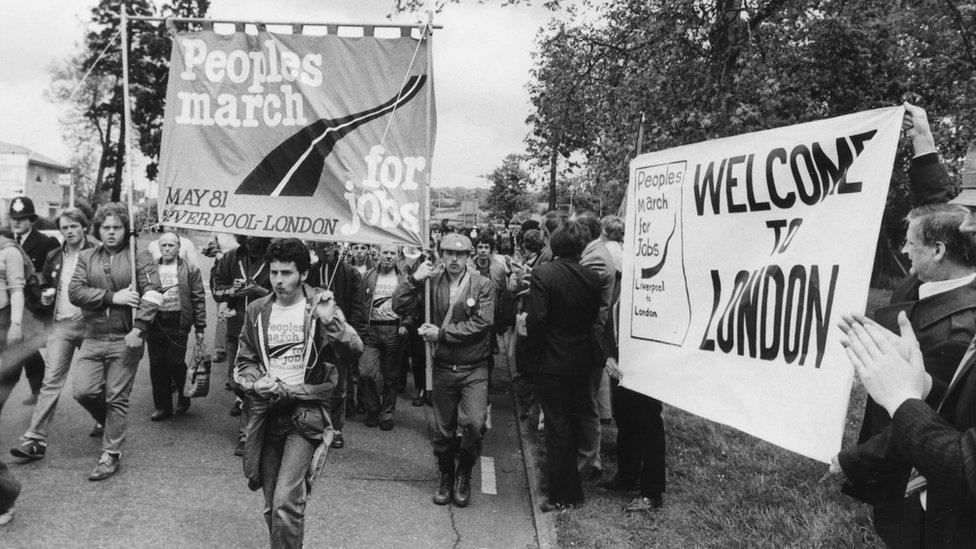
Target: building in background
24 172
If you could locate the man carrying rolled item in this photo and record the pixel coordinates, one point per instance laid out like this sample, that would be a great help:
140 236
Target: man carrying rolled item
184 306
290 344
103 288
462 315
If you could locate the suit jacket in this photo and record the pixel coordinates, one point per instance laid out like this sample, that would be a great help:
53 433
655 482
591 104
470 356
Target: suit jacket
38 245
562 306
941 445
598 259
944 324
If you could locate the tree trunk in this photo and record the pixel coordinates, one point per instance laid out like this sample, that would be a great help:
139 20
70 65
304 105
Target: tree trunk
119 163
552 177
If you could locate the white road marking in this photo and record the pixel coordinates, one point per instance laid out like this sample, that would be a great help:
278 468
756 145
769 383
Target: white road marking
488 476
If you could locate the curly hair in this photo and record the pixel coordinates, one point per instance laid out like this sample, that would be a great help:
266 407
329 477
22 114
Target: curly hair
289 250
114 209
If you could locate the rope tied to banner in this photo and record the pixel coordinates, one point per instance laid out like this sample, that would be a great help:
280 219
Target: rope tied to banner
95 64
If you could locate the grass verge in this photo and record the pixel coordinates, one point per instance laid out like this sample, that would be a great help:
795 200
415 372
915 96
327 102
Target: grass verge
726 489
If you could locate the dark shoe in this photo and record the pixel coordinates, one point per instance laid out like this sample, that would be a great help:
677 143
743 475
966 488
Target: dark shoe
220 356
445 489
30 401
462 488
372 419
160 415
97 431
419 400
386 424
107 466
547 507
239 450
617 484
183 405
337 441
29 449
591 473
236 408
644 503
227 385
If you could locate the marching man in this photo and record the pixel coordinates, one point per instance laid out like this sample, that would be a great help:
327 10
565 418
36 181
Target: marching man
462 314
290 344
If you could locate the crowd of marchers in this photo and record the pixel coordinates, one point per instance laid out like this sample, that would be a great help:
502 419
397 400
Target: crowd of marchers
314 332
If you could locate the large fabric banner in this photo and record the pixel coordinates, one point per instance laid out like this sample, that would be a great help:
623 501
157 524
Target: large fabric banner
289 135
740 255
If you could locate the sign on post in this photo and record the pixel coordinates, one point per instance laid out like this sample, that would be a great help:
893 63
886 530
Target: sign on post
744 252
286 135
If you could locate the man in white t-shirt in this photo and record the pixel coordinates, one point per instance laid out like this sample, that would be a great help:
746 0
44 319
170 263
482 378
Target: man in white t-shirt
380 364
289 345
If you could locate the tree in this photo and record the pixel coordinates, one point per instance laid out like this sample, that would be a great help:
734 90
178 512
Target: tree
712 68
96 107
509 192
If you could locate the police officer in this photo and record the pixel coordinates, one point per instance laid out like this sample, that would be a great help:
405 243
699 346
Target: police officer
460 330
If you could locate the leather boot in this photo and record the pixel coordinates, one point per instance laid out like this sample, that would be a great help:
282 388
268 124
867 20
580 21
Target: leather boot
444 490
462 482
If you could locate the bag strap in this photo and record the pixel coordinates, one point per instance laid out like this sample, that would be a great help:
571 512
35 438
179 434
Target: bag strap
462 292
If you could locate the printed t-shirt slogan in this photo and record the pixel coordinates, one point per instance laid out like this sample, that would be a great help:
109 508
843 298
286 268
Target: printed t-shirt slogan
744 252
314 137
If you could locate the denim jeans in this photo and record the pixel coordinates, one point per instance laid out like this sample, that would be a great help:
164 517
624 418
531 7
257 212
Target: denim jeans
285 458
337 400
380 367
460 401
166 343
103 380
65 338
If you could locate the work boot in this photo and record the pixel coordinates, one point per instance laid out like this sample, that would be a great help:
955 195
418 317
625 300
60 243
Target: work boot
444 490
445 463
462 487
462 482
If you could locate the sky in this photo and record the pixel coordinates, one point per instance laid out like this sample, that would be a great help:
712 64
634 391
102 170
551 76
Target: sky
482 59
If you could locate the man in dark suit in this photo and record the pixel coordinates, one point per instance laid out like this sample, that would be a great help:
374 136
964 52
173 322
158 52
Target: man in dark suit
37 245
933 425
562 305
944 261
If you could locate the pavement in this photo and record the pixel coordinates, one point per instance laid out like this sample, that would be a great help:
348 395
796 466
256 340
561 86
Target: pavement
181 486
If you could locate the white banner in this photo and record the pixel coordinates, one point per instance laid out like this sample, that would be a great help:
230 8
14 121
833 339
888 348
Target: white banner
744 251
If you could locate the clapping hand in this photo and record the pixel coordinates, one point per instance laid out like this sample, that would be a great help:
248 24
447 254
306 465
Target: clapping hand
889 366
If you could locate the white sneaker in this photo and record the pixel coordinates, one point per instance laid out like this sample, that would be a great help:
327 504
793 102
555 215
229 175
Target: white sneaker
7 517
488 416
542 422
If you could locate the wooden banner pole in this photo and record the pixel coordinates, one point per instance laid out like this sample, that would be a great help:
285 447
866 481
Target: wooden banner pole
428 33
127 121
